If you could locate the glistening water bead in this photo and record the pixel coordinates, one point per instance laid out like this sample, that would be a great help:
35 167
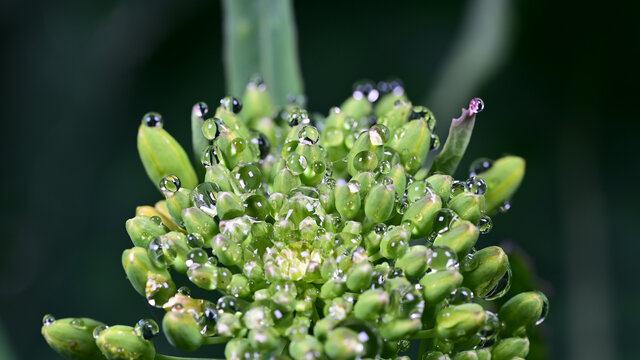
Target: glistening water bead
147 329
152 119
170 184
476 105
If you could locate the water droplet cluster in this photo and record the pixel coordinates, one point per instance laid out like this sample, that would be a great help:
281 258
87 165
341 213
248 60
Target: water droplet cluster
319 239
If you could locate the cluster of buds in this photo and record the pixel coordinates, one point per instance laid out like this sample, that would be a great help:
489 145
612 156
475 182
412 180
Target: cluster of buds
320 237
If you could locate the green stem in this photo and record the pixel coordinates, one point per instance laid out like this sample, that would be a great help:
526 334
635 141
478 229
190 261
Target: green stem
168 357
216 340
424 334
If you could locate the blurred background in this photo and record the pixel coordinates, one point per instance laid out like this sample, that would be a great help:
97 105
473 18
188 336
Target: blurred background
559 80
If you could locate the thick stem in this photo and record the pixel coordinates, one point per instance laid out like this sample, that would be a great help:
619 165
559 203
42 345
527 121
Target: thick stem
168 357
424 334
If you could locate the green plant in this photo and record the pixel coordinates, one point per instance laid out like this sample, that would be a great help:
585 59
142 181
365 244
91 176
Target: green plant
319 237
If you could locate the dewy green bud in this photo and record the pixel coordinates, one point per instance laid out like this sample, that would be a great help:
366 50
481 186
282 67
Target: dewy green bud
414 262
332 288
72 337
441 185
437 285
412 142
237 349
220 175
466 355
395 242
399 177
264 339
399 329
503 179
396 116
228 252
460 238
256 102
378 206
522 311
509 348
178 201
356 107
285 181
343 344
197 221
468 206
421 214
199 112
306 348
436 355
142 229
459 321
371 304
161 154
182 330
147 279
348 200
122 343
229 205
359 276
487 272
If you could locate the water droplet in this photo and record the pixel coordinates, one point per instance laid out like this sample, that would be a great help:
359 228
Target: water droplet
98 329
238 145
504 207
379 134
435 142
156 253
380 228
196 257
208 318
370 341
545 309
210 156
502 286
170 184
387 181
288 148
77 323
184 290
458 187
385 167
489 330
365 161
200 109
443 219
195 240
476 185
147 329
249 177
392 85
263 144
485 224
48 320
210 129
231 104
152 119
461 295
442 258
297 116
229 304
476 105
296 163
204 197
308 135
403 345
479 166
156 219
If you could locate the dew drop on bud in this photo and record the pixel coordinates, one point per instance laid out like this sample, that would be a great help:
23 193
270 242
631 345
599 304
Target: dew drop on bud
184 290
156 253
204 197
248 176
485 224
442 220
308 135
98 330
210 129
231 104
476 105
489 330
457 188
442 258
210 156
263 144
476 185
196 257
379 134
48 320
504 207
195 240
479 166
200 109
296 163
365 161
435 142
77 323
545 309
152 119
170 184
147 329
238 144
461 295
502 287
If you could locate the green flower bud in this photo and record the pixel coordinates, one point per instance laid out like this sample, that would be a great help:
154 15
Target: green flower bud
306 348
204 276
371 304
509 348
182 330
332 289
72 337
522 312
441 185
503 179
399 177
421 214
468 206
256 102
356 107
348 199
400 329
264 339
228 252
458 322
386 103
487 272
239 286
396 116
436 355
142 229
466 355
160 210
161 154
197 221
414 262
257 206
378 206
359 276
175 244
484 354
176 202
437 285
460 238
412 142
237 349
229 205
395 242
218 174
123 343
147 279
228 325
343 344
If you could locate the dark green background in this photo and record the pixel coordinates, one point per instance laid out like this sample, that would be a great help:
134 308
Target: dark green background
77 76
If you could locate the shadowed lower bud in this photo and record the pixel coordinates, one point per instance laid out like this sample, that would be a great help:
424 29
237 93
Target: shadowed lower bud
468 206
123 343
148 280
414 262
142 229
421 214
359 276
348 201
441 185
460 238
72 337
522 311
509 348
503 179
378 206
161 154
487 272
306 348
437 285
371 304
182 330
458 322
